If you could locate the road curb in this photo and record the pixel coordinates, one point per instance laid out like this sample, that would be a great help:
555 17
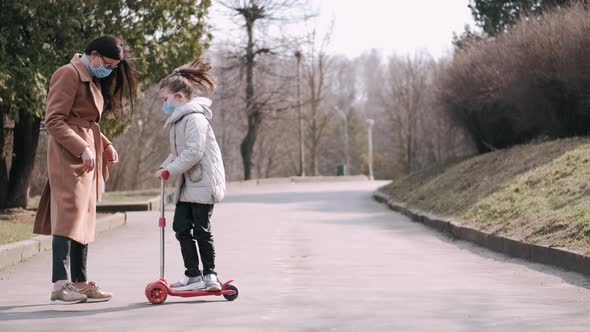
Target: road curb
514 248
298 179
346 178
148 205
17 252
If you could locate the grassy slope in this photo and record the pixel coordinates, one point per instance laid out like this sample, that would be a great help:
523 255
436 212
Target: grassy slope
538 192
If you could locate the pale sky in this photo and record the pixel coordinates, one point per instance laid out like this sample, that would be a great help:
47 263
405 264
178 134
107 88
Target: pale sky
392 26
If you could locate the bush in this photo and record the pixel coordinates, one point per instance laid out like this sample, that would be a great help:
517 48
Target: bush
531 81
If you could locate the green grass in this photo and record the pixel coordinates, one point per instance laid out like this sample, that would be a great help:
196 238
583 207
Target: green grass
111 197
130 196
538 193
33 202
15 232
16 225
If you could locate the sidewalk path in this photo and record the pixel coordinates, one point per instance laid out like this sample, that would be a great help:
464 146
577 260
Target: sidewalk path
307 257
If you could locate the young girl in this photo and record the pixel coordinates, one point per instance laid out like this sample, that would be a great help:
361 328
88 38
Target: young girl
196 166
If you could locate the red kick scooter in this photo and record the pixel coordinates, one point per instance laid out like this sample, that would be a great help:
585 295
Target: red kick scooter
157 291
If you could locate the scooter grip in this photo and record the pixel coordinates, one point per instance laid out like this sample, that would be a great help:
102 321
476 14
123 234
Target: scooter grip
165 175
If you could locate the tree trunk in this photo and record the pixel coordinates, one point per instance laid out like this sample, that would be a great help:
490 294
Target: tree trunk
247 146
3 170
26 139
139 157
409 147
316 73
315 161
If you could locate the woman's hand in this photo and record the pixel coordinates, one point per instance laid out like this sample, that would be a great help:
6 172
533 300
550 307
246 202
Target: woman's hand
111 155
89 160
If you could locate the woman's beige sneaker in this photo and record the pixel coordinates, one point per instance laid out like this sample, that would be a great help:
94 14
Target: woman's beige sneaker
94 293
68 294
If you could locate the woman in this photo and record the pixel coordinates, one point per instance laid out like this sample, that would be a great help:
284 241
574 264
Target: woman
80 92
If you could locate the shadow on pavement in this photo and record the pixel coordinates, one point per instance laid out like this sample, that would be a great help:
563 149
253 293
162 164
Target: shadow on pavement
75 311
81 310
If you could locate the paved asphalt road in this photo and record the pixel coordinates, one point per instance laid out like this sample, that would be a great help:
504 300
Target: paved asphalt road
307 257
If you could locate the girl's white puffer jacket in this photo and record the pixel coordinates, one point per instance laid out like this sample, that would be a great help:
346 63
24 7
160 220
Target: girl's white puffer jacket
195 163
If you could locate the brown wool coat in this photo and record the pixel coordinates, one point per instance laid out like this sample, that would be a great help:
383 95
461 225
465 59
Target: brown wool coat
74 107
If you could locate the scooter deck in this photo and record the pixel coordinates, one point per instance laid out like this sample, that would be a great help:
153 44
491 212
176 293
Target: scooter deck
199 292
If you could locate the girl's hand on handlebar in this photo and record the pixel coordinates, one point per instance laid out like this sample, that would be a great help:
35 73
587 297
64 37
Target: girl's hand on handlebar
158 174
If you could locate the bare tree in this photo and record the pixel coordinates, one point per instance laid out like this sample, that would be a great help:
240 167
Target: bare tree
276 151
142 147
317 65
252 12
274 84
345 98
371 77
404 96
228 124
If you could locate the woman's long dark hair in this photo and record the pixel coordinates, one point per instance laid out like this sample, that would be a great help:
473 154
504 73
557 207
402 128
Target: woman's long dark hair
121 85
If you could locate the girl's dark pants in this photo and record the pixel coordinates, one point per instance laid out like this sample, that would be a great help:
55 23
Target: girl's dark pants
195 218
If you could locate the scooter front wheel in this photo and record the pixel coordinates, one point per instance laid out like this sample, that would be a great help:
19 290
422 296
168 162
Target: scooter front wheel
233 288
156 293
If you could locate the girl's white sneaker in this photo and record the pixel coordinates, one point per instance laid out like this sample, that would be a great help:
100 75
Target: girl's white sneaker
212 283
186 283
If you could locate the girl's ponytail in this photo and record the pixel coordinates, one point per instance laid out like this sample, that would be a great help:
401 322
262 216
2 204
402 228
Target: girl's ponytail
185 78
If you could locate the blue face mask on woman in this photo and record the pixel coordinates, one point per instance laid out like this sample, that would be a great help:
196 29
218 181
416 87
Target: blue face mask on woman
100 72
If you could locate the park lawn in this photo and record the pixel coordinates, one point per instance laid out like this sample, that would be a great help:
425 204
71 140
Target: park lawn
537 193
130 196
17 225
112 197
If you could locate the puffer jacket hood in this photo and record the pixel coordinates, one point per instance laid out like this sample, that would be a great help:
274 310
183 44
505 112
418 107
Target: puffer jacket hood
195 105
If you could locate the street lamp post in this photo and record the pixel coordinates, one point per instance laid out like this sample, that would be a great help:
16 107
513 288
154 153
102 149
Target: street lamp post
370 123
301 151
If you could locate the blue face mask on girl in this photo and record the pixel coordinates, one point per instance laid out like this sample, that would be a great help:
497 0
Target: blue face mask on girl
168 108
100 72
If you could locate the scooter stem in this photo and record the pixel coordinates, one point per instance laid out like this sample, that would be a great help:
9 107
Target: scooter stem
162 222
